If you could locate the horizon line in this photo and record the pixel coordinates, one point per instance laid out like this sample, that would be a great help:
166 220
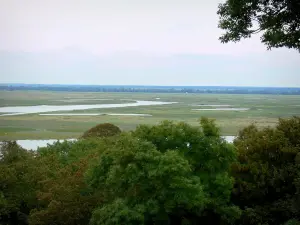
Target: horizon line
150 85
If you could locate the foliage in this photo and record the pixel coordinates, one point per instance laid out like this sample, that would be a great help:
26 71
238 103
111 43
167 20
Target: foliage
143 185
208 154
17 183
292 222
63 196
291 130
102 130
70 151
170 173
48 184
64 199
279 20
267 174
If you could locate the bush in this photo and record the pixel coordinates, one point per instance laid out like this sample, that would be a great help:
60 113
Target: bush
102 130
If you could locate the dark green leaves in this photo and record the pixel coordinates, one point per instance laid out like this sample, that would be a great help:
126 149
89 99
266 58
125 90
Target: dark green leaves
102 130
267 174
144 182
278 20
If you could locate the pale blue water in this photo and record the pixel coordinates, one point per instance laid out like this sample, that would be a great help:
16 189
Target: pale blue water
34 144
19 110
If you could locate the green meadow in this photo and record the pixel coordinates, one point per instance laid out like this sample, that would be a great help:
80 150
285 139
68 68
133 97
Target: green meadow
263 110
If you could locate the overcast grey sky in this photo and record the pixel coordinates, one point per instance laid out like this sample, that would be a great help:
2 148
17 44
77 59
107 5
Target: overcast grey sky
159 42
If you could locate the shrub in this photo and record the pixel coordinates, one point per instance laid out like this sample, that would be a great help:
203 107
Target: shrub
102 130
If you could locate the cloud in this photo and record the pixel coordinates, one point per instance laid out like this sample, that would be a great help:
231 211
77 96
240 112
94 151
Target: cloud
71 66
160 42
103 27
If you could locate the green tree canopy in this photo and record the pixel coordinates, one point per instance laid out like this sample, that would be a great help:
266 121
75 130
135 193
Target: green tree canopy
17 183
63 196
102 130
268 173
143 185
209 155
170 173
278 20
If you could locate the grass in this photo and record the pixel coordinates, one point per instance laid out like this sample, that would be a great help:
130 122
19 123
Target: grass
264 111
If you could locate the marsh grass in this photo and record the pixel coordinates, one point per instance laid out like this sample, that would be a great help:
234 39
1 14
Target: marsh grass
264 110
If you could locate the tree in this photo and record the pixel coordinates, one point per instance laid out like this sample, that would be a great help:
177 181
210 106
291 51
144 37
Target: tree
210 157
279 20
291 130
267 174
63 196
292 222
17 183
102 130
142 185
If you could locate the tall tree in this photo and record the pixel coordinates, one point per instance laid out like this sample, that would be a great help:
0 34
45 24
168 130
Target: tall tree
142 185
209 155
267 173
278 20
17 183
63 195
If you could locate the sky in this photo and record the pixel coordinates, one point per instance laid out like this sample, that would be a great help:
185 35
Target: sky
138 42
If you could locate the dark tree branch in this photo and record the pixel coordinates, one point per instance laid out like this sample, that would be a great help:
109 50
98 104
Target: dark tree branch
272 16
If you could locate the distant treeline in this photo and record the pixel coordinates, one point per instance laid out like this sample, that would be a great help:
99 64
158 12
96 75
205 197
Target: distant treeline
154 89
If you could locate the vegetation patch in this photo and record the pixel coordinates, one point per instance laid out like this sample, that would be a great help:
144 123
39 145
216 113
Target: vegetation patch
102 130
168 173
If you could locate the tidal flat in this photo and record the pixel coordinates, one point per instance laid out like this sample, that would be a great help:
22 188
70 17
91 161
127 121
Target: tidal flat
263 110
